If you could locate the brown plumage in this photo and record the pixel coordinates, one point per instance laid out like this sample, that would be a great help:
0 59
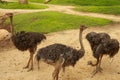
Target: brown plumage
101 44
60 55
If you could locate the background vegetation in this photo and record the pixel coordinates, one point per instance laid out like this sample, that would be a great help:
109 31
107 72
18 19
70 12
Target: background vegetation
54 21
96 6
83 2
15 5
100 9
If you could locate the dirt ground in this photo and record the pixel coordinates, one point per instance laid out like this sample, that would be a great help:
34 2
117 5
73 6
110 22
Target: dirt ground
12 60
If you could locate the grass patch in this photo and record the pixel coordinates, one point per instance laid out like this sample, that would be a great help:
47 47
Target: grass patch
97 6
100 9
15 5
54 21
83 2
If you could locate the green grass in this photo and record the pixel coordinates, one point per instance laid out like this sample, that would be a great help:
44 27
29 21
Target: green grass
97 6
83 2
15 5
100 9
54 21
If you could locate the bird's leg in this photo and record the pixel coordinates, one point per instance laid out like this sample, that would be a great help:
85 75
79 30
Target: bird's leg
27 66
38 65
63 69
31 59
56 73
58 66
92 64
98 68
32 51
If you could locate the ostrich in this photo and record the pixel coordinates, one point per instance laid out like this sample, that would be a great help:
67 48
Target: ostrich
60 55
26 41
96 38
101 44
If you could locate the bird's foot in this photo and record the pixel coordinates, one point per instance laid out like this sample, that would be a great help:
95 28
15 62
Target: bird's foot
89 63
98 69
26 67
31 69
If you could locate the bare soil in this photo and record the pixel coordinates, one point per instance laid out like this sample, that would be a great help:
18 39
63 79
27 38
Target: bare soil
12 60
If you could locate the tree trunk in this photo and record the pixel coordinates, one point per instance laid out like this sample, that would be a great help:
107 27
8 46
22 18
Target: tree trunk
23 1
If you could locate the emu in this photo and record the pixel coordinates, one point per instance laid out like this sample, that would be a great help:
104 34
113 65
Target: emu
60 55
26 41
101 44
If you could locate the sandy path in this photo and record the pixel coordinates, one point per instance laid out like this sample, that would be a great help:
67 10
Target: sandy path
12 60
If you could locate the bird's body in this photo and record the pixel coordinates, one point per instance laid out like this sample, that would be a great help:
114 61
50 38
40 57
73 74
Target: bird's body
53 52
27 41
60 55
95 39
109 47
101 44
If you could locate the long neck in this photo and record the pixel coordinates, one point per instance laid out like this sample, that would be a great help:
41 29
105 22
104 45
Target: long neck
11 24
80 39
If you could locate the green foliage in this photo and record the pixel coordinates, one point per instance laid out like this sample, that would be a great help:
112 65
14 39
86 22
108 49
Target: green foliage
100 9
54 21
83 2
15 5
